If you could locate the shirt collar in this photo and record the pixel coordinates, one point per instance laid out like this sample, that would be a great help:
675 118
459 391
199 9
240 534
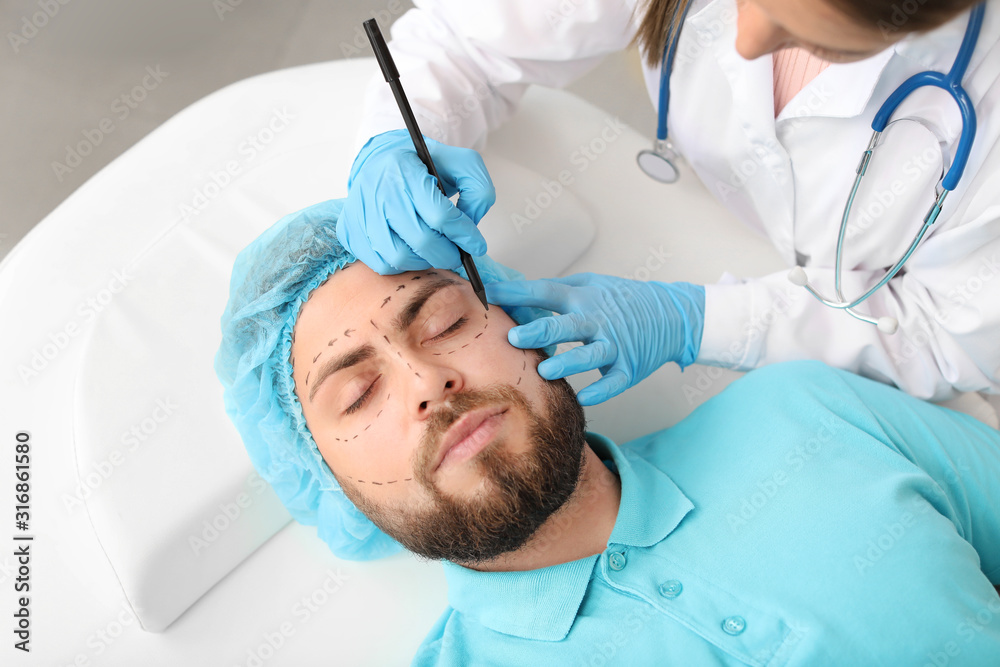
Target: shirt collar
542 604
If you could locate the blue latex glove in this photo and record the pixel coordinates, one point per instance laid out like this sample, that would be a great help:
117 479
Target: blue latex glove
629 327
395 218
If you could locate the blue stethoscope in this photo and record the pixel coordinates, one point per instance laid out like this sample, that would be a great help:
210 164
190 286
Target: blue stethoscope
658 163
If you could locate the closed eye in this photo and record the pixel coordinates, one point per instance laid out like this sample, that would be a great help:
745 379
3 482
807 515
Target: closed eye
452 329
358 404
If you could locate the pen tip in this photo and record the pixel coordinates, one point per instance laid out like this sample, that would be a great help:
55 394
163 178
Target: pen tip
482 297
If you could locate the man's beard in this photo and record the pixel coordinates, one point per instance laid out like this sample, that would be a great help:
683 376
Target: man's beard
522 492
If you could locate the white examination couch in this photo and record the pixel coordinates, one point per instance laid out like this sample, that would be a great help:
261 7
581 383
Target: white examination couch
155 543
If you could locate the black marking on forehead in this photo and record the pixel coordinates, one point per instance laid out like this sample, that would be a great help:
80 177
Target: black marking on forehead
331 342
415 278
377 483
393 481
373 324
524 364
432 273
401 287
347 333
385 301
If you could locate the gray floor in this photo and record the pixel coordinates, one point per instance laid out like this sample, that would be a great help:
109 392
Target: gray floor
69 75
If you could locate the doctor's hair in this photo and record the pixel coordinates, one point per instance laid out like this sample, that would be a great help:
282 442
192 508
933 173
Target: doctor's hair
887 16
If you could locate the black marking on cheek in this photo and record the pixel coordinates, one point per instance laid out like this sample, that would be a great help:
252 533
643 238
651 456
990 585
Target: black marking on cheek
361 481
388 396
316 357
464 346
379 414
401 287
373 324
524 364
393 481
408 479
377 483
417 374
347 333
368 427
354 438
385 301
415 278
452 352
409 366
337 439
437 354
331 342
432 273
479 334
386 339
518 381
307 377
400 354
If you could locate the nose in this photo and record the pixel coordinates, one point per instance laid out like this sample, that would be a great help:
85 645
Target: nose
756 33
432 385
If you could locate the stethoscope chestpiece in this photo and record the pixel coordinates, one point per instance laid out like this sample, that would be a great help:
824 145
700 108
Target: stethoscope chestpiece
658 163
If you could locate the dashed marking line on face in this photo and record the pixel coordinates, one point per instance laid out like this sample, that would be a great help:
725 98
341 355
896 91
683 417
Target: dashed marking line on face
408 479
409 366
432 273
387 397
307 378
317 357
354 438
377 483
379 414
437 354
417 374
524 364
373 324
479 334
415 278
368 427
399 354
385 301
452 352
464 346
347 333
331 342
393 481
401 287
518 381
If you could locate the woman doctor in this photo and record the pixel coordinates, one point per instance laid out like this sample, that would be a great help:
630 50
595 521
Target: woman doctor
789 87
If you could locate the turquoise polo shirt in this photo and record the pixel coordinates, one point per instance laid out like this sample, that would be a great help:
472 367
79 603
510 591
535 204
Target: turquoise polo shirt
804 516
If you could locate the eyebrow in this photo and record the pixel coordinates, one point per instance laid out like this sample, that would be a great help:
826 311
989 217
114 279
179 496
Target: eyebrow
416 303
346 360
401 323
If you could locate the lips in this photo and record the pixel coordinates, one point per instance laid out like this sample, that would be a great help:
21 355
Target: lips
470 434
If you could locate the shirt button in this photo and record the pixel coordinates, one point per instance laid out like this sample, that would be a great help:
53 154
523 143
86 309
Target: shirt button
617 561
671 589
734 625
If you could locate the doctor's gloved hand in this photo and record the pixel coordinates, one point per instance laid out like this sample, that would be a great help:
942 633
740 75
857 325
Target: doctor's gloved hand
629 328
395 218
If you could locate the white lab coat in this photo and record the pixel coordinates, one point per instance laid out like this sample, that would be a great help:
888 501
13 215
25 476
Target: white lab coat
468 63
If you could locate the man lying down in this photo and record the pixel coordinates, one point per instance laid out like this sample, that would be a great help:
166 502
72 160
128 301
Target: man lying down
804 516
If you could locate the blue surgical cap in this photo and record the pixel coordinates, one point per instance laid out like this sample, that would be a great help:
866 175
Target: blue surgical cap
272 278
